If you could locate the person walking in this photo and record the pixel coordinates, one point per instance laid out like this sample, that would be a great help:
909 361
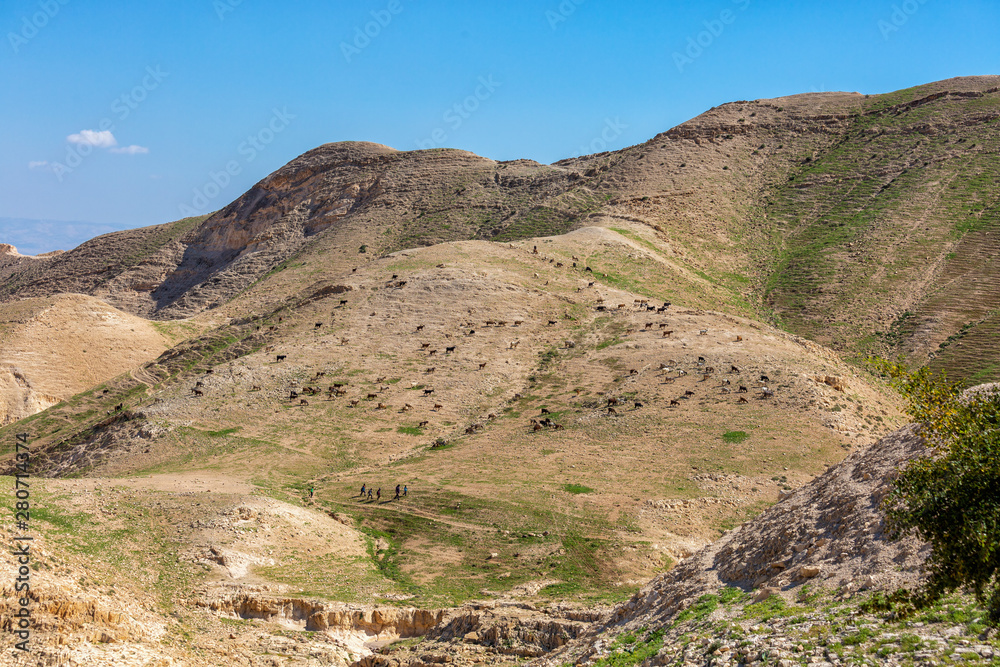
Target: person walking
404 490
310 492
397 493
362 490
378 494
369 493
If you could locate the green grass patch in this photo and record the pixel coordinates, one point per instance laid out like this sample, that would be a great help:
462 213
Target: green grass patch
223 432
705 605
576 488
734 437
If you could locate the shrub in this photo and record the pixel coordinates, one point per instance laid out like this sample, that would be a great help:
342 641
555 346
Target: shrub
950 498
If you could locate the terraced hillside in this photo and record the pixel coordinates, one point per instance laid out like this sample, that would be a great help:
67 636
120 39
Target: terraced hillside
888 237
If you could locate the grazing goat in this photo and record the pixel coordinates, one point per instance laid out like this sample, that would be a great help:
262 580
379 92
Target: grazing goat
428 392
703 332
689 393
292 395
734 369
370 397
764 378
423 424
380 406
437 406
449 350
674 403
303 401
354 403
739 338
420 327
281 357
198 392
256 387
666 334
638 404
424 346
742 400
482 365
431 369
612 411
742 390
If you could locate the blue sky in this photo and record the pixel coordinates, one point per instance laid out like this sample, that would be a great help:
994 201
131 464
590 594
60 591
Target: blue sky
131 114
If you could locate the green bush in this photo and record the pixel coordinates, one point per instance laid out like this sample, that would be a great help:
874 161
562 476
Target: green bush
950 498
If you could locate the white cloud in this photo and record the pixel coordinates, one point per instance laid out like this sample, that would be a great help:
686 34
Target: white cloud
102 139
131 150
40 164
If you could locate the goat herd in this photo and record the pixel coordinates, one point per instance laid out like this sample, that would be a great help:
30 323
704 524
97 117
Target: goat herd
670 372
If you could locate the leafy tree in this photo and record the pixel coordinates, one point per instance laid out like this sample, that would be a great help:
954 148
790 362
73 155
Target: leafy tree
951 498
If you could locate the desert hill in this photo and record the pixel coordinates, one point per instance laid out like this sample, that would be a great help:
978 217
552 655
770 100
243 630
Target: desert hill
875 212
54 347
582 373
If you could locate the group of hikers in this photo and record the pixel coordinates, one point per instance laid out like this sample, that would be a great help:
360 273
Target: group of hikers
365 489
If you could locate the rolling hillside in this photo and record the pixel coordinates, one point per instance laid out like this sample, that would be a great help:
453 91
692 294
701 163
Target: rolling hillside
581 372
